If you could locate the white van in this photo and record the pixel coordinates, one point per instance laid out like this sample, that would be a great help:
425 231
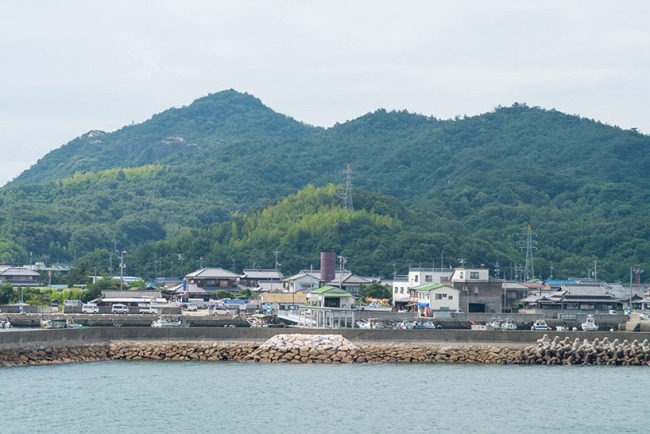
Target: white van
119 308
147 308
90 308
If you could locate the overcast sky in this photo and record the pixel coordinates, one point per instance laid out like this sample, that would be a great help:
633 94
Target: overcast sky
70 66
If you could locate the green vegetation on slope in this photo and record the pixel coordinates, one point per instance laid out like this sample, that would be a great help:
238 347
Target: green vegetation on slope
229 180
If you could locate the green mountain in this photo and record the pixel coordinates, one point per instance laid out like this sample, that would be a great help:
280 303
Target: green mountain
209 181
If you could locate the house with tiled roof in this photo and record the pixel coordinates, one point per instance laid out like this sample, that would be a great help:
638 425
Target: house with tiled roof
304 281
204 283
262 280
18 276
577 297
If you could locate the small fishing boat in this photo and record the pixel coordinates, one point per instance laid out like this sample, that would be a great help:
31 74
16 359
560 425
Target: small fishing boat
54 323
376 307
71 324
493 324
263 320
540 326
426 325
508 324
371 323
5 324
166 322
589 324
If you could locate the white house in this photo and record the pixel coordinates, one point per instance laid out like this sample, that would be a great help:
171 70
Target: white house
420 276
301 282
434 297
470 275
403 285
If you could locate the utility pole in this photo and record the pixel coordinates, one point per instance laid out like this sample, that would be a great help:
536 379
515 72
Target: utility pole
276 253
629 306
342 262
122 267
347 192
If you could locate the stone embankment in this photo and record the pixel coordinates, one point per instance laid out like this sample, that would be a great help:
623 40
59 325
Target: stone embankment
309 348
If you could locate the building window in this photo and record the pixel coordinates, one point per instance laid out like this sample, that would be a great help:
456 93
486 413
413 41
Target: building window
396 289
416 278
438 296
451 297
473 274
401 291
476 290
428 278
462 275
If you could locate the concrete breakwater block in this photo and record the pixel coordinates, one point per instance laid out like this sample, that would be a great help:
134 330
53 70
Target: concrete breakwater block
583 352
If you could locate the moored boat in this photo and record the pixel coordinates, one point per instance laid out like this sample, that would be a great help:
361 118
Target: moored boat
540 326
493 324
54 323
376 307
371 323
71 324
589 324
166 322
508 324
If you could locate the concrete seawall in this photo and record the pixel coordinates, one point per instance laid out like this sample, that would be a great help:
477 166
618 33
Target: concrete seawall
306 346
255 334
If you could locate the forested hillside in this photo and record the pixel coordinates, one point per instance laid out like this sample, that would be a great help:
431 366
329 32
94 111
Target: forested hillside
228 180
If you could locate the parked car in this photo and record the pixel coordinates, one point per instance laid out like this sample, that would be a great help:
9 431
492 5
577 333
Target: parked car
90 308
192 307
119 308
147 308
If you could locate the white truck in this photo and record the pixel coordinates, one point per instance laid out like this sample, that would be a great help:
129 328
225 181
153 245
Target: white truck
199 302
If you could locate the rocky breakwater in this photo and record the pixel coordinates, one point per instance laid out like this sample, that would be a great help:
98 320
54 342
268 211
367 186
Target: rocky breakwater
299 348
181 351
42 355
597 352
308 348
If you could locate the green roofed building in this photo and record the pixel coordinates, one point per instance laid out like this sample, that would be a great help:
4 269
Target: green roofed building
330 296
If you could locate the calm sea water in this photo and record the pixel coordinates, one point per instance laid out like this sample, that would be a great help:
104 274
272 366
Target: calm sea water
188 397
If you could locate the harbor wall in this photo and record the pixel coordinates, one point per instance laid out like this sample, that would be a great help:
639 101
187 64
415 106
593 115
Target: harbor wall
313 346
261 334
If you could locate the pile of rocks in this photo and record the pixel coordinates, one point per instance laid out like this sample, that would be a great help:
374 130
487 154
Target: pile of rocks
436 353
598 352
127 350
54 355
303 348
